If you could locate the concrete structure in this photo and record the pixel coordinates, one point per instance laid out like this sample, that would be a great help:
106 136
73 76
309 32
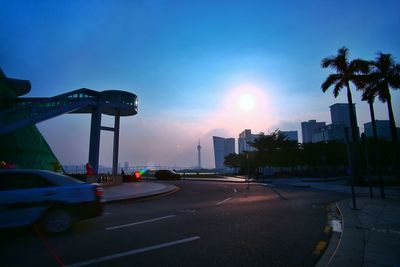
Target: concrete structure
199 155
308 128
243 141
382 129
28 111
291 135
222 147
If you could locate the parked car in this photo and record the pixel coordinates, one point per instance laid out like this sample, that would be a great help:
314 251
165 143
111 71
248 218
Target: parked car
52 200
167 175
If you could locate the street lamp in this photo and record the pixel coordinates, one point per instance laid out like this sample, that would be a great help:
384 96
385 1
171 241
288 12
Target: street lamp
248 170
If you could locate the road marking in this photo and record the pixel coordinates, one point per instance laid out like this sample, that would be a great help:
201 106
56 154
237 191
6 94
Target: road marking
223 201
134 251
141 222
320 247
235 190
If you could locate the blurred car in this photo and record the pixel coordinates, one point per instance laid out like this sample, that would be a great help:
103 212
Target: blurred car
167 175
53 200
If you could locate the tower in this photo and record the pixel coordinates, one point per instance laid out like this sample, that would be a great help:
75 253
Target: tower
199 155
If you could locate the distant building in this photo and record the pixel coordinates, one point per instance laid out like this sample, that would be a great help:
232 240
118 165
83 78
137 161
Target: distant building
222 148
291 135
126 165
340 114
308 128
243 142
331 132
382 129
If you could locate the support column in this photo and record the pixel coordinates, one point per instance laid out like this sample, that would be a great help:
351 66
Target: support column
94 145
116 143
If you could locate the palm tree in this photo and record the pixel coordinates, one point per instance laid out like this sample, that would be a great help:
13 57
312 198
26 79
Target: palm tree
346 72
369 96
385 74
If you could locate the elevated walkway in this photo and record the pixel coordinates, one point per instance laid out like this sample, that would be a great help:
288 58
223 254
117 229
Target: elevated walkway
34 110
18 112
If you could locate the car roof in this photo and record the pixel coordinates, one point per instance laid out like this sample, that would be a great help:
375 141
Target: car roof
56 177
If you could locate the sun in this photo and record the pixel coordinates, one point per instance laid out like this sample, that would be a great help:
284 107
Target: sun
246 102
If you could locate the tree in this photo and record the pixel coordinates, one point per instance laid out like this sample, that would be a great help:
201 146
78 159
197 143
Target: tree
369 96
384 74
233 160
346 72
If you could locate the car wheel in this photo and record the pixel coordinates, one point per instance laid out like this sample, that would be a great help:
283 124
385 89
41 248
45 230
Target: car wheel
57 221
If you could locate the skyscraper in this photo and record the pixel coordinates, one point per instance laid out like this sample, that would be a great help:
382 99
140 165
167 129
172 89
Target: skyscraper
243 142
222 148
340 114
308 128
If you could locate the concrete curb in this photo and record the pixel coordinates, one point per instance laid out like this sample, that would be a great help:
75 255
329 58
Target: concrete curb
170 189
350 250
334 240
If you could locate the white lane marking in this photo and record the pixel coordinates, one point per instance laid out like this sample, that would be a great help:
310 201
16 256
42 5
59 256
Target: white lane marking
223 201
106 213
235 190
141 222
134 251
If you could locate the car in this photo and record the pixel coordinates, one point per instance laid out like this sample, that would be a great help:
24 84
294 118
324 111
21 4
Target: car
52 200
167 175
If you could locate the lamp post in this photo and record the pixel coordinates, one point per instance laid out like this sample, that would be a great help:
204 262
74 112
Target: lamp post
248 170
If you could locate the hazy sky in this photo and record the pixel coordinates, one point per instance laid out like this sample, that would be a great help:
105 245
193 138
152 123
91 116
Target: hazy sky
200 68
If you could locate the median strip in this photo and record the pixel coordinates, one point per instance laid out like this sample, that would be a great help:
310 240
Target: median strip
134 251
141 222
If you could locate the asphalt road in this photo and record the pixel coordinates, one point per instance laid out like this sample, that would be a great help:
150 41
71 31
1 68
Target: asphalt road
204 224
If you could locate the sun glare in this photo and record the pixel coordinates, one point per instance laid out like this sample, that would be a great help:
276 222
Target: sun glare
246 102
246 106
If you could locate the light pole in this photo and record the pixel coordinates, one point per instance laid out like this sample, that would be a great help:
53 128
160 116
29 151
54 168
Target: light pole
248 170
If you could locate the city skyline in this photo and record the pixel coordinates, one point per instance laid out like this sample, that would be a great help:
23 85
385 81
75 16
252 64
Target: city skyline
199 68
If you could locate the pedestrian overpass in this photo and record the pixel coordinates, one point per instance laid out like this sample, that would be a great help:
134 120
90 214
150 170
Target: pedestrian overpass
28 111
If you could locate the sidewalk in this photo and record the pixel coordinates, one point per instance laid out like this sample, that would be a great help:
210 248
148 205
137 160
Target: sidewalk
137 190
370 237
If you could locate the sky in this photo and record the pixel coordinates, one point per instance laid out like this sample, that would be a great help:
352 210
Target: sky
199 68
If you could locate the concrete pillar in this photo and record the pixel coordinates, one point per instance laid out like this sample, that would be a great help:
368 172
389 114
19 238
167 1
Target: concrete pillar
116 143
94 145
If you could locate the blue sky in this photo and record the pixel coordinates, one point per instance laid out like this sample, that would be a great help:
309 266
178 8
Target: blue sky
190 63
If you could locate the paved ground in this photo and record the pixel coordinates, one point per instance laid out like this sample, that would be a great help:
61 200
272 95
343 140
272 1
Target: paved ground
203 224
369 236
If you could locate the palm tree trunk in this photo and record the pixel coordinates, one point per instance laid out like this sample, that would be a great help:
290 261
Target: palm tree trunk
376 149
392 122
353 118
372 112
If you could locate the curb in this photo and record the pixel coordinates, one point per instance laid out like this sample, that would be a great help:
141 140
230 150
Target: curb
334 240
156 194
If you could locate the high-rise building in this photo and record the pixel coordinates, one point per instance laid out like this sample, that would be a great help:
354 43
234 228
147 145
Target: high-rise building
291 135
243 142
126 165
308 128
331 132
382 129
340 114
222 148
